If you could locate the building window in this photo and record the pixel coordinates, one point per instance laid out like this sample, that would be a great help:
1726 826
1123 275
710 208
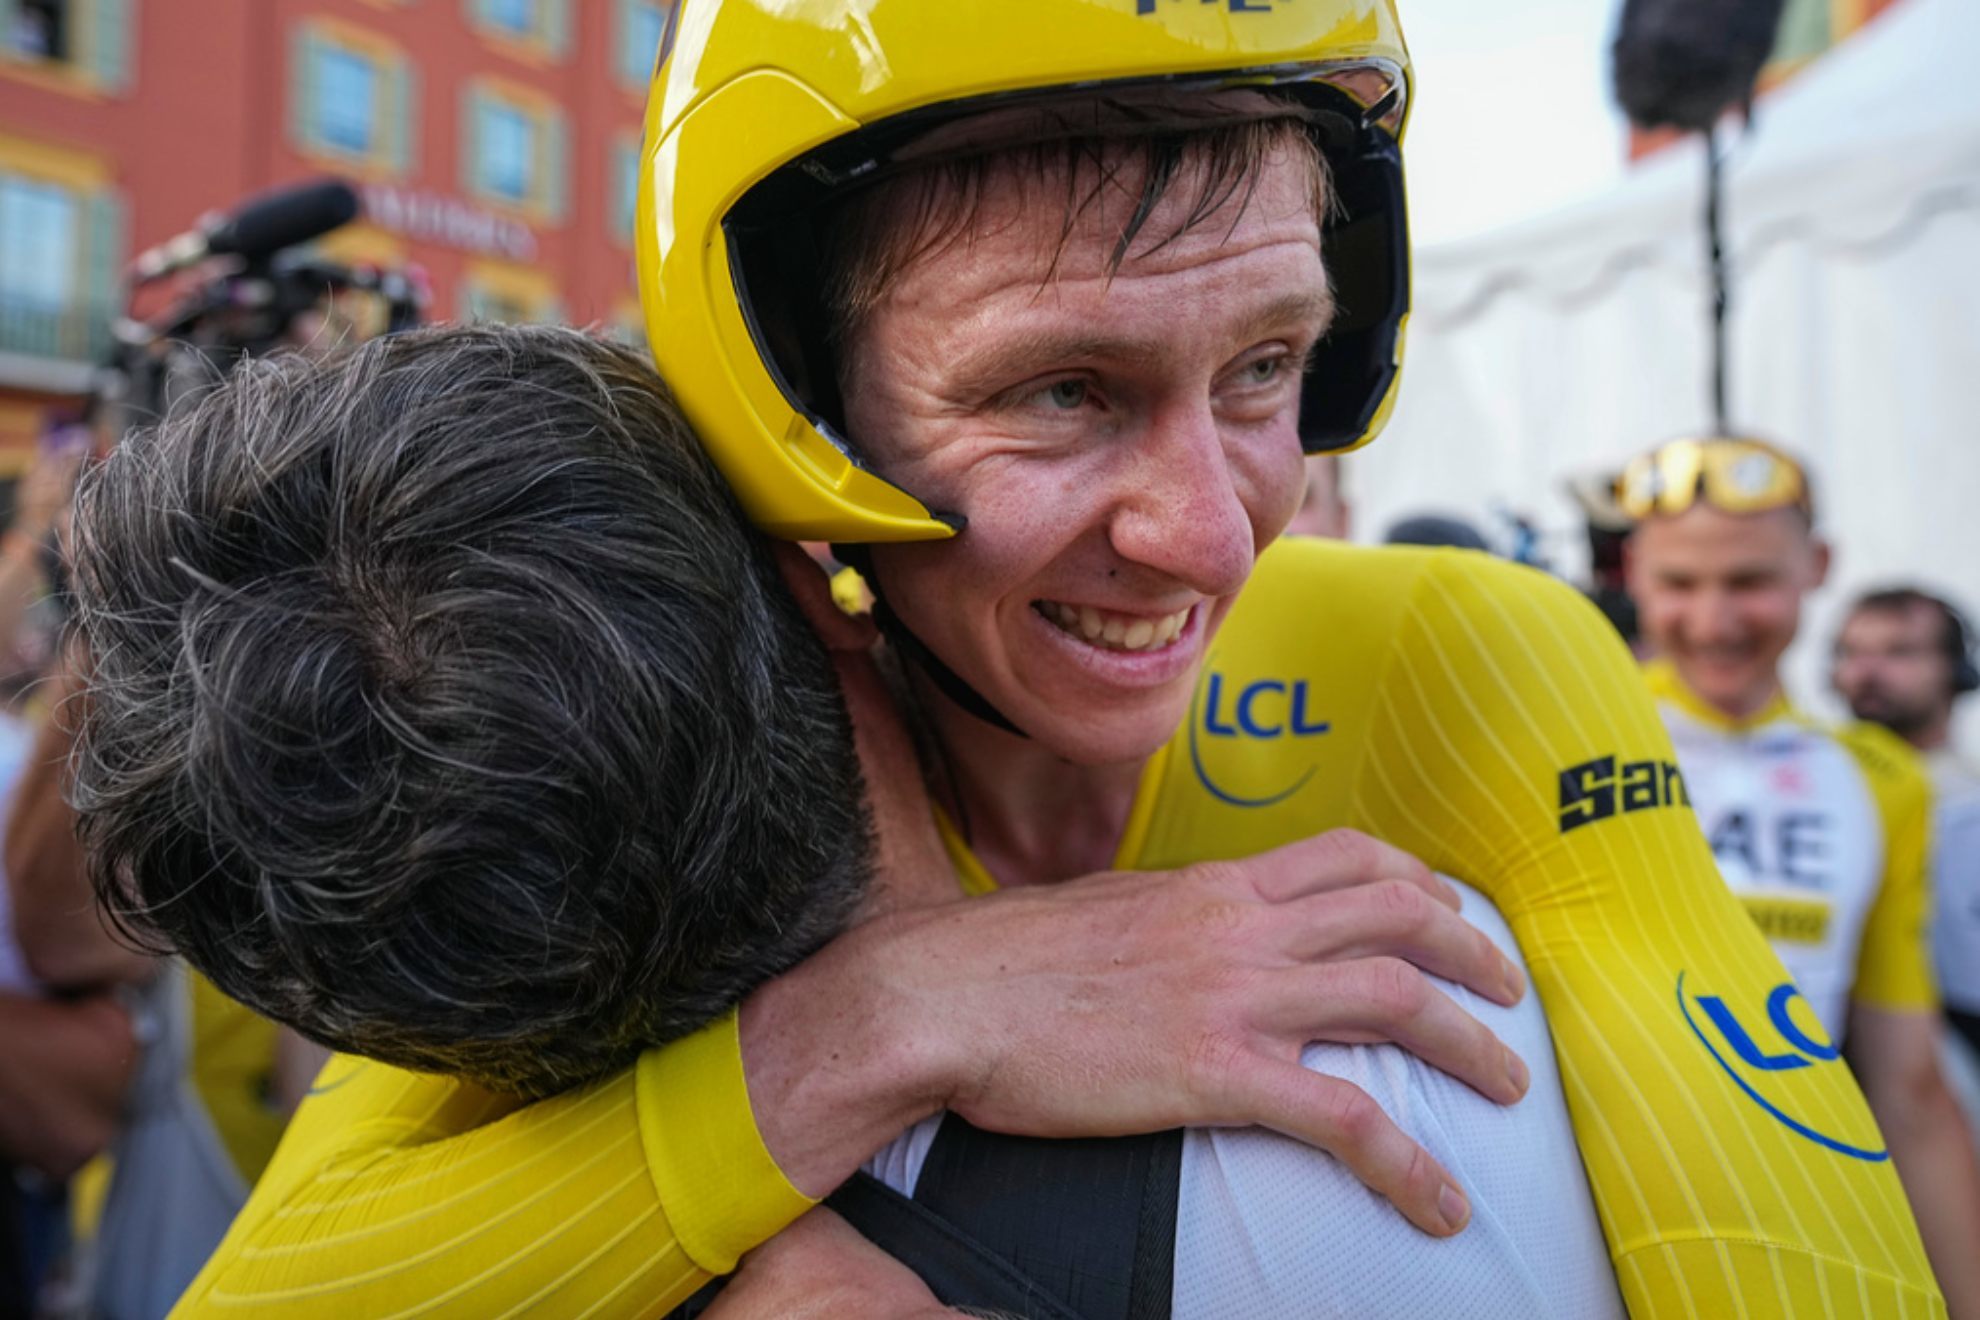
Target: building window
625 187
645 28
517 16
528 28
353 98
1806 29
83 44
494 305
61 253
513 151
509 150
39 224
505 291
347 101
40 30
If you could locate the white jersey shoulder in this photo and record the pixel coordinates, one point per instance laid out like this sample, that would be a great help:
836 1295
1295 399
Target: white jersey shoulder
1797 834
1956 881
1267 1226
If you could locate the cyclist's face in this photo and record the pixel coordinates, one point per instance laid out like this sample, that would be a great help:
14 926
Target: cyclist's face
1719 595
1123 446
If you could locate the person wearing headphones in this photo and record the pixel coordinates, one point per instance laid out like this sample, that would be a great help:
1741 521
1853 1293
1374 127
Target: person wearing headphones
1034 308
1822 831
1903 659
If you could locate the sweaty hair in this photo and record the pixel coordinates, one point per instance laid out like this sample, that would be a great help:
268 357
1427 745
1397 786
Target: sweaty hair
445 708
1070 157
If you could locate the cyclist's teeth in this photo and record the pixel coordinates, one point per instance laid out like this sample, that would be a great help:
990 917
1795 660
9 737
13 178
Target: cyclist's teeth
1115 632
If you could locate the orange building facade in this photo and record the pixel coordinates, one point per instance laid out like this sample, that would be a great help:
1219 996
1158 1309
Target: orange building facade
494 142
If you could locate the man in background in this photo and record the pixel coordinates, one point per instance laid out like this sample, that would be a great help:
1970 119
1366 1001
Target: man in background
1903 659
1823 832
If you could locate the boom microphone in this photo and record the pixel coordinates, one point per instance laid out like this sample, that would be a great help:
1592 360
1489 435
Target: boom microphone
259 229
1684 63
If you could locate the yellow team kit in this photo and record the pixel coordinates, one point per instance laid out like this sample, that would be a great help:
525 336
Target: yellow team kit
1472 712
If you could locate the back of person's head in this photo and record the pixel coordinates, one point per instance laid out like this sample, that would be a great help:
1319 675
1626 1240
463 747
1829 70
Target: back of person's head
445 708
1435 529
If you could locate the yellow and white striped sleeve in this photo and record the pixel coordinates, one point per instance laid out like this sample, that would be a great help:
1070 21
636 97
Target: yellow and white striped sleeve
399 1195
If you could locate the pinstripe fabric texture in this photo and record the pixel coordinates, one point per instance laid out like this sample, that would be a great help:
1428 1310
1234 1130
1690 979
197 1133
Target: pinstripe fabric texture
401 1195
1475 713
1488 720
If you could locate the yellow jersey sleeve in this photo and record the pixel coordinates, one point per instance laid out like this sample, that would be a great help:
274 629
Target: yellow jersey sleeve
1894 965
1487 719
232 1068
400 1194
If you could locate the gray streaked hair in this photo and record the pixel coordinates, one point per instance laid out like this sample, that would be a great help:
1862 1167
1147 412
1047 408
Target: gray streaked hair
445 708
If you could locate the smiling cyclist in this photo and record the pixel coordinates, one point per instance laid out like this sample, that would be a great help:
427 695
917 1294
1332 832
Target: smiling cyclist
1042 302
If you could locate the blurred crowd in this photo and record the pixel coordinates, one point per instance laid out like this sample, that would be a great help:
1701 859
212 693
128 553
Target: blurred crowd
137 1104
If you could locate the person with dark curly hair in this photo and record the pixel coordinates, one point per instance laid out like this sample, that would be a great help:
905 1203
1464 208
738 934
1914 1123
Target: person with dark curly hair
445 709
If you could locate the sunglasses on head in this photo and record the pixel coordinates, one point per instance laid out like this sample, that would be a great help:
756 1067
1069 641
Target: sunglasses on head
1731 475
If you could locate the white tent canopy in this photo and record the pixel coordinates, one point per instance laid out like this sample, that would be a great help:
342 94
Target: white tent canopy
1853 227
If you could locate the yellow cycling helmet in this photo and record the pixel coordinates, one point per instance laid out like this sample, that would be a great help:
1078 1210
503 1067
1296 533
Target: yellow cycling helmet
763 110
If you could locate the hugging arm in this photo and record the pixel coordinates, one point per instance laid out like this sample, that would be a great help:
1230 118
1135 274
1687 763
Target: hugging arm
1193 989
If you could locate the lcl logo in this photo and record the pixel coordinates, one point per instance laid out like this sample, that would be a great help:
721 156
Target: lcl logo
1262 711
1264 708
1759 1057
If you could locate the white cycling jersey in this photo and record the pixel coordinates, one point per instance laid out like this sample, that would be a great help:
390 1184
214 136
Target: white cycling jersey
1822 832
1266 1226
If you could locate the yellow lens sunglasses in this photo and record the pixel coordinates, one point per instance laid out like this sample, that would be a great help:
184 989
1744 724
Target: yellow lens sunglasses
1734 475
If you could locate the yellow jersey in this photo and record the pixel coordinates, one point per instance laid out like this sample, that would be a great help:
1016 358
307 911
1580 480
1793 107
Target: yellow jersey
233 1069
1475 713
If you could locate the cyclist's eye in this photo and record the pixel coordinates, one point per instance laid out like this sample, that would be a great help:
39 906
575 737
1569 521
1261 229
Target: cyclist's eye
1066 394
1264 371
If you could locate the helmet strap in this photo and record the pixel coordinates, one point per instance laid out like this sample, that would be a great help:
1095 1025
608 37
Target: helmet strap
911 648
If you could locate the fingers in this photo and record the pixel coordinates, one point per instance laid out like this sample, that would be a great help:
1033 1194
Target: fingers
1386 999
1399 919
1336 860
1341 1119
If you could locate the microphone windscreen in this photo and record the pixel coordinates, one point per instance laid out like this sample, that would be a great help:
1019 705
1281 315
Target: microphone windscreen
1685 63
282 219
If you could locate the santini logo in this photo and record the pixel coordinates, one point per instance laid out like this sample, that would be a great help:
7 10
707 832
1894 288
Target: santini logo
1598 789
1272 711
1235 6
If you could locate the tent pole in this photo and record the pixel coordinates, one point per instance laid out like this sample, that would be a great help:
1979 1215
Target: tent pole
1716 261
